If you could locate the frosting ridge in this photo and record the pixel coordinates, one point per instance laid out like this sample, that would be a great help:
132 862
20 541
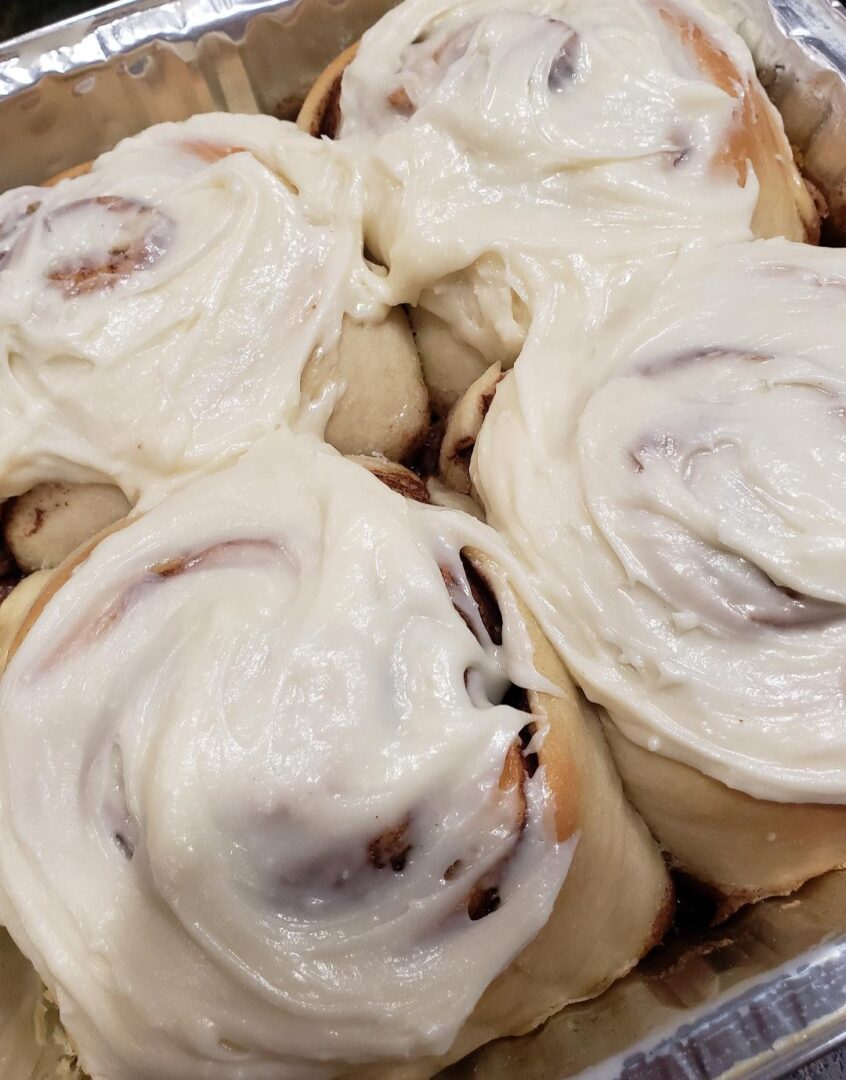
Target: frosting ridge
680 519
157 311
280 750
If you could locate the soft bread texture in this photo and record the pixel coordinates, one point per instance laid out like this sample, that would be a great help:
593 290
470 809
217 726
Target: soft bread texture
449 364
383 407
48 522
741 849
723 680
93 348
462 426
785 207
617 900
519 826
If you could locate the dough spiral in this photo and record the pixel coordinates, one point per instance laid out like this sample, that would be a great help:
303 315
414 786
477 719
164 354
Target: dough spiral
501 143
681 508
298 792
156 311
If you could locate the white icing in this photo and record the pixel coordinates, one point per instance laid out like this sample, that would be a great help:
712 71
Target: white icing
547 135
193 766
238 269
245 728
676 484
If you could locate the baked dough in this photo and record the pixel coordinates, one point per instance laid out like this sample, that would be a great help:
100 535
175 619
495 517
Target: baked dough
576 138
676 491
332 871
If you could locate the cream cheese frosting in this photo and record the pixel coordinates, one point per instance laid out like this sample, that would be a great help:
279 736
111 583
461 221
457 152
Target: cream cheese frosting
502 142
156 313
675 484
250 773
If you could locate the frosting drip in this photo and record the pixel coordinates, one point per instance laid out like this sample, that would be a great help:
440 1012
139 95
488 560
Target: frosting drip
270 718
156 313
681 507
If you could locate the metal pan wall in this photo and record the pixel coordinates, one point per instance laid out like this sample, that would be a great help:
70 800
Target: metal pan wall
768 990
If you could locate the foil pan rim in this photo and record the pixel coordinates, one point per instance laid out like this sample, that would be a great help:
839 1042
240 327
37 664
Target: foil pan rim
798 1009
789 1016
98 36
809 23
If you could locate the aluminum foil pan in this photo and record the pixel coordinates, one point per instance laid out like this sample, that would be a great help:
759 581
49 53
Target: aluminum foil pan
752 999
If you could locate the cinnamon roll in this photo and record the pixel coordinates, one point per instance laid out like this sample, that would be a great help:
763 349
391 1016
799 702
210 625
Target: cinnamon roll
329 803
159 308
590 133
681 509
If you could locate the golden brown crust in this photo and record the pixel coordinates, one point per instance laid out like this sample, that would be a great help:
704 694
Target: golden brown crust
57 579
785 206
739 849
321 111
69 174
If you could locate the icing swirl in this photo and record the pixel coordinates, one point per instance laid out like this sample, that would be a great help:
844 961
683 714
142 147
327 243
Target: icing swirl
681 506
156 312
502 143
269 715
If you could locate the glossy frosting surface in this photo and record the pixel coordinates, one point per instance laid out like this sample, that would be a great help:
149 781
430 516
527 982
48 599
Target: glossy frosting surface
275 748
156 314
675 484
504 141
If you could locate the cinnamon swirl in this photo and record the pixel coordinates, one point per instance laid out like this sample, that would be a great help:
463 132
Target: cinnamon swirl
590 133
321 780
158 309
681 508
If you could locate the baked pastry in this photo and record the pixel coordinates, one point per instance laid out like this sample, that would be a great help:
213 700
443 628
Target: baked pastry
328 799
680 505
582 136
159 307
45 524
463 423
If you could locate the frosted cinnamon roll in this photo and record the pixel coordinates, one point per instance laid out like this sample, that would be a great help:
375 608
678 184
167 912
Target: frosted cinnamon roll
321 780
500 139
158 310
681 509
